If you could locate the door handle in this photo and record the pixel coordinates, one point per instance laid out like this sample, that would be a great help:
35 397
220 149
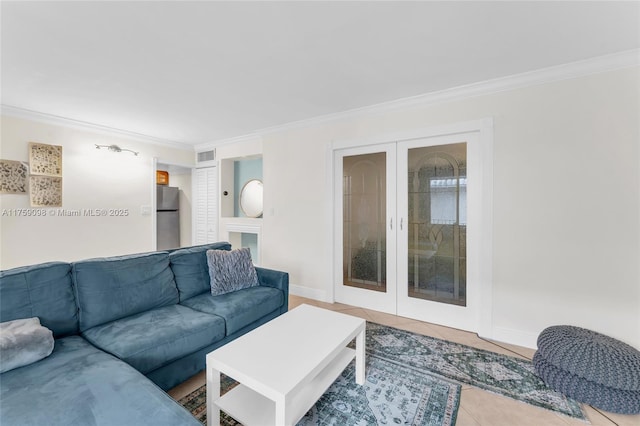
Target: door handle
401 223
391 224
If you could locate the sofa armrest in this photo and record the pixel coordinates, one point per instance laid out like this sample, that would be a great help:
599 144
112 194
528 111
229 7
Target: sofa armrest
275 279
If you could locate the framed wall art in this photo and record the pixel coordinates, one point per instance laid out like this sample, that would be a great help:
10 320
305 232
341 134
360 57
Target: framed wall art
45 160
13 177
45 191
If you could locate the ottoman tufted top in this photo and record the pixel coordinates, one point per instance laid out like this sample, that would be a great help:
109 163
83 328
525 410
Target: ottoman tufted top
592 356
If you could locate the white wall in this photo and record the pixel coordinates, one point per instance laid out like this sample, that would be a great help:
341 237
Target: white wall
566 201
92 179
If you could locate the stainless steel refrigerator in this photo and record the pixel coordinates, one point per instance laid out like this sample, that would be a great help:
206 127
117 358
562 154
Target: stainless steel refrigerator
167 217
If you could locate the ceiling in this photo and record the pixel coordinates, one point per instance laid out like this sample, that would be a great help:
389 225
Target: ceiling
200 72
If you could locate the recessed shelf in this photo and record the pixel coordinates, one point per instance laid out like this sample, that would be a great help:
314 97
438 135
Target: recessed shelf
234 174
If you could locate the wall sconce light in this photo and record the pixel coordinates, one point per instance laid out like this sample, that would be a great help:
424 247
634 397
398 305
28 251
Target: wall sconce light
116 148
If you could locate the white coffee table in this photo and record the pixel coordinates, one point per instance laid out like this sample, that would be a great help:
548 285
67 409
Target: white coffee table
284 366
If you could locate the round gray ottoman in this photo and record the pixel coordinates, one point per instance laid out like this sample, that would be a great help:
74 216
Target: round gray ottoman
590 367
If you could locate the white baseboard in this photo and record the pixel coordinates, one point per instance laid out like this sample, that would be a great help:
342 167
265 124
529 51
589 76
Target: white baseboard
309 293
514 337
499 334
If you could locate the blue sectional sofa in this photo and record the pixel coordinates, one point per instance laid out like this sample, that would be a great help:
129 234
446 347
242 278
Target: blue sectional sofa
126 328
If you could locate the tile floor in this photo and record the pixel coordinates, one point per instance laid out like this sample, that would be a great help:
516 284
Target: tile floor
477 407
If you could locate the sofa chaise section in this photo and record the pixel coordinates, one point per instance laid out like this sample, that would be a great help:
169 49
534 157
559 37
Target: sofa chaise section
116 320
78 384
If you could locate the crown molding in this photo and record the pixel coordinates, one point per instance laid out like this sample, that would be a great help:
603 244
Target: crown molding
620 60
12 111
600 64
251 137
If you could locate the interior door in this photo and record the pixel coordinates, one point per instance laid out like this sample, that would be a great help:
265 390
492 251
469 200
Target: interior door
407 224
205 211
437 193
365 227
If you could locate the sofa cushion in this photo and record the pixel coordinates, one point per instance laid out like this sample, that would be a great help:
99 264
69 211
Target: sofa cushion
189 266
157 337
79 384
116 287
231 270
239 308
44 291
23 342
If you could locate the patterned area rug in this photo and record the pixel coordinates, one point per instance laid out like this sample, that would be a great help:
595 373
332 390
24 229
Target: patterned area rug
508 376
403 370
392 394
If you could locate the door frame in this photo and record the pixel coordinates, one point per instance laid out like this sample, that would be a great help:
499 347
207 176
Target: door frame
484 264
155 161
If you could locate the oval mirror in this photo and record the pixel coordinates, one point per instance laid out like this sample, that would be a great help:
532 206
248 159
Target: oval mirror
251 198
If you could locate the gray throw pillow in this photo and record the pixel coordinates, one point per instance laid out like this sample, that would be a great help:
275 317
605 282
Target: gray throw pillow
231 270
22 342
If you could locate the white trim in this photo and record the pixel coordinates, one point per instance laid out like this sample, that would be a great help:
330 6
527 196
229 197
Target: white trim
329 220
482 320
12 111
309 293
243 228
514 337
171 163
420 133
256 136
154 206
249 226
611 62
193 205
485 315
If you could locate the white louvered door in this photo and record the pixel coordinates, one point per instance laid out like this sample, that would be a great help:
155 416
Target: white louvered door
205 212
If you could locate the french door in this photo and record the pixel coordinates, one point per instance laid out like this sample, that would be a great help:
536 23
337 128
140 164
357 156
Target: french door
406 228
365 191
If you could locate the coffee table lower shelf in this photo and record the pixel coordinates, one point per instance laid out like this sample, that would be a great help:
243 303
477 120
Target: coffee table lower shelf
251 408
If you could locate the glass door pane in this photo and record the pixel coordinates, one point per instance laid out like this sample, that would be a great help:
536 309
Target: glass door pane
437 223
364 221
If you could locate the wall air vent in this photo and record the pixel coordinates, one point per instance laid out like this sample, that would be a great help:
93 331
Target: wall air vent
206 156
